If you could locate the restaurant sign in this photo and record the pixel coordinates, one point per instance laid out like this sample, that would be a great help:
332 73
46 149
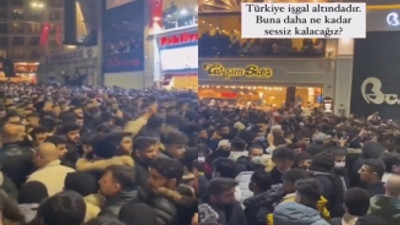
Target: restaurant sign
250 71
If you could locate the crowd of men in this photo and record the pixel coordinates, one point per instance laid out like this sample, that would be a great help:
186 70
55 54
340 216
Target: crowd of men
97 156
292 167
108 156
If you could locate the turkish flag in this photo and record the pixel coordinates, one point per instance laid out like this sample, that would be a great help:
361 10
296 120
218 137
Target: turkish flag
156 12
45 35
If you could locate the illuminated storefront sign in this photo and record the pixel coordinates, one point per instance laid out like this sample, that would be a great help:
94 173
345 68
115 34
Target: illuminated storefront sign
250 71
183 38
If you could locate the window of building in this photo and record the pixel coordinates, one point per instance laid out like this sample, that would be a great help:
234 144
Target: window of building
56 3
3 14
35 41
34 28
55 16
3 28
18 41
34 54
3 53
3 41
53 44
18 53
17 2
3 4
17 14
17 27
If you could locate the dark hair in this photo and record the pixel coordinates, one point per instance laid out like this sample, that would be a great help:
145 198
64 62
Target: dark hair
48 122
390 160
155 121
105 220
377 166
64 208
323 160
220 185
11 114
38 130
32 192
283 153
294 175
142 143
357 201
190 155
262 179
108 145
32 115
339 152
370 220
239 144
124 175
310 189
226 168
302 157
168 168
255 146
68 127
175 137
82 182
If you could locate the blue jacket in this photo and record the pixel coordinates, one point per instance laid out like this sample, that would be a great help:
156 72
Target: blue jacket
293 213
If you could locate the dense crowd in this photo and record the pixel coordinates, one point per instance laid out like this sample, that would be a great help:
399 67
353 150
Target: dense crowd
223 44
292 167
97 156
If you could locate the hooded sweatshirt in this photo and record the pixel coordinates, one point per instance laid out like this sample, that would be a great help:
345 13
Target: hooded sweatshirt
386 208
293 213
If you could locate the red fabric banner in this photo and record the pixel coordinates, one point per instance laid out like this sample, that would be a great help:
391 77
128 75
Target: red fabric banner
156 12
44 37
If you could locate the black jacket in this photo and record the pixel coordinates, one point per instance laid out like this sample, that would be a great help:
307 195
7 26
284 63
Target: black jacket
16 162
232 216
114 204
165 209
142 173
276 176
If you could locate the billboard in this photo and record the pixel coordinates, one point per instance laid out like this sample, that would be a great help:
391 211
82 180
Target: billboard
123 37
376 75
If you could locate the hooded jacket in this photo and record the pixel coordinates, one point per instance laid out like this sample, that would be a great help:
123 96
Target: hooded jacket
386 208
293 213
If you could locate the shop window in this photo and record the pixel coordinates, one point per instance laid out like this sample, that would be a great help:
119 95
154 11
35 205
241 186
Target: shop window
18 41
17 14
222 37
3 41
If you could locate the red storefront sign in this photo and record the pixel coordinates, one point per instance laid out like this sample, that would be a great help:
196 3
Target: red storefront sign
178 39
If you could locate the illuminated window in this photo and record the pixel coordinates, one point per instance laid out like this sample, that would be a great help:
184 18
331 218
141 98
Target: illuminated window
17 28
17 14
34 28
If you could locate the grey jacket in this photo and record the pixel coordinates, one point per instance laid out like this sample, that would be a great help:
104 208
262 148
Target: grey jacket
292 213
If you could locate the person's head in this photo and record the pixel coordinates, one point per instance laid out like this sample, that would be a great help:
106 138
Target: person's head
175 144
12 117
105 220
56 109
49 123
113 144
64 208
225 168
303 161
224 131
33 119
165 172
203 134
39 135
283 158
13 132
78 111
260 182
238 145
71 131
146 149
322 162
370 220
117 179
392 162
372 171
45 153
60 143
339 157
82 182
32 192
255 153
393 186
308 192
137 214
221 192
291 177
356 201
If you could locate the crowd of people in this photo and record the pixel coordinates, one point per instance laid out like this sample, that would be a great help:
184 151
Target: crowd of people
230 44
124 44
290 167
97 156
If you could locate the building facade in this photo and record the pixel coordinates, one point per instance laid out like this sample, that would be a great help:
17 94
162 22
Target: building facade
21 24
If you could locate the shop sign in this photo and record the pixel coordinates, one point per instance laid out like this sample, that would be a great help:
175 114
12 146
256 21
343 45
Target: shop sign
73 55
250 71
178 39
393 19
